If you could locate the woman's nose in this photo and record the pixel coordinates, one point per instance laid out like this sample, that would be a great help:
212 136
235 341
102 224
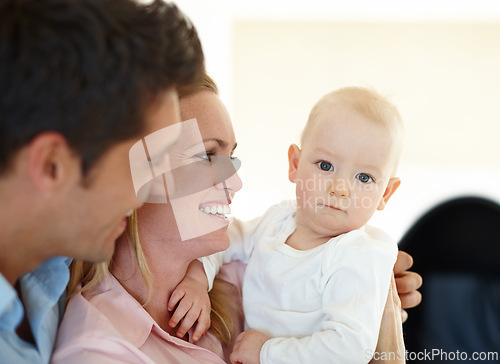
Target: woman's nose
225 174
233 183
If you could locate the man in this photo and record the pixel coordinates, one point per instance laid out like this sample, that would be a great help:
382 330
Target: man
80 82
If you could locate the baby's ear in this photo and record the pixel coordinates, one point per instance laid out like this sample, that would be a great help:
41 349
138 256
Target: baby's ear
392 186
293 162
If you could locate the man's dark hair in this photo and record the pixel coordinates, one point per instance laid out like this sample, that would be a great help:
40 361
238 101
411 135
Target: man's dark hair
88 69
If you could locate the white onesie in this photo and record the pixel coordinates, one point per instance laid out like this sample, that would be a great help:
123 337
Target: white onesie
317 305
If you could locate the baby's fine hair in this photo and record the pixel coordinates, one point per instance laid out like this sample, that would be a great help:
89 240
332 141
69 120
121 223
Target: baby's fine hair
368 103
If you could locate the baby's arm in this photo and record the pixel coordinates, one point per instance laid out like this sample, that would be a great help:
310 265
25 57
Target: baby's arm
191 297
192 301
243 236
247 347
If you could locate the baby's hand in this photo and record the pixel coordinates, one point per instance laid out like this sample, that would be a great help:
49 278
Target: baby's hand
247 347
193 305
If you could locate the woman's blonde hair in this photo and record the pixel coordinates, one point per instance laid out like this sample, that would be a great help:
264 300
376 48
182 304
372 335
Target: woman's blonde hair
85 275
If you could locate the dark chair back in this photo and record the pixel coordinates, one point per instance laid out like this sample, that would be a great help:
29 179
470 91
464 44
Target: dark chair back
456 249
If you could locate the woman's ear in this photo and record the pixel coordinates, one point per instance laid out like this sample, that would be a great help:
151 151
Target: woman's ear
293 162
392 186
51 161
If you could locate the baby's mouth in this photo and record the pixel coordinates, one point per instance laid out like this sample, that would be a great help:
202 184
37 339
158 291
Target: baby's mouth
216 209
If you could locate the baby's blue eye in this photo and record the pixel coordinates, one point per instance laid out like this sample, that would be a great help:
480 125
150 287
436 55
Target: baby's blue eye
364 178
325 166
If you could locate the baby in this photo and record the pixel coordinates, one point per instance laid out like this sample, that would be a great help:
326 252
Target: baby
317 278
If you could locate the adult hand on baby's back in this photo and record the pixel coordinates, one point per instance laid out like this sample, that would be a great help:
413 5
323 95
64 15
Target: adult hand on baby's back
407 283
247 347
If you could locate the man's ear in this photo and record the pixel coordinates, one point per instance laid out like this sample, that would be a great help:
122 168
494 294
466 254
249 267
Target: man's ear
293 162
50 161
392 186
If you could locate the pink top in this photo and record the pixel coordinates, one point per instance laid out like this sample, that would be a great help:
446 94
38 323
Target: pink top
107 325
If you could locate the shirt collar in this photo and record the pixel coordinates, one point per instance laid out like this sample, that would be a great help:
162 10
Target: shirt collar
50 278
42 289
11 309
111 298
132 322
52 275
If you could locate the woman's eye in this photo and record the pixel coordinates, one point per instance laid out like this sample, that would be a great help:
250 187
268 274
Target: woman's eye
325 166
205 156
363 177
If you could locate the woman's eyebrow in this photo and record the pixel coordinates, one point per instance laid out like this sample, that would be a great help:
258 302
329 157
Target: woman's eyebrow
222 143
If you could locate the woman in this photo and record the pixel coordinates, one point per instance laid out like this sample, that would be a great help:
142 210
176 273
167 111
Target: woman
123 318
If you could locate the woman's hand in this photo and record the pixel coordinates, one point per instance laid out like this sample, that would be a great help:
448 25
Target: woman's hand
390 345
407 283
402 294
247 347
192 301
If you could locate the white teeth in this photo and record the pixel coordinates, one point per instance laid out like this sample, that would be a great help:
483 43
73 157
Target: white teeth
220 210
130 213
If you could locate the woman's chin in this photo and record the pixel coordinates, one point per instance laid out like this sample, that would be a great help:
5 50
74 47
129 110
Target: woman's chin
217 240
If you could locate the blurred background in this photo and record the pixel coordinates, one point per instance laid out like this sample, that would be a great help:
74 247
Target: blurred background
437 61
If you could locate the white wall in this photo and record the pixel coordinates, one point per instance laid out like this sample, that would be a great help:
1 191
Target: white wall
438 62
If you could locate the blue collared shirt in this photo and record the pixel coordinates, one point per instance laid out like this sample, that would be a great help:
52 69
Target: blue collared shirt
43 292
